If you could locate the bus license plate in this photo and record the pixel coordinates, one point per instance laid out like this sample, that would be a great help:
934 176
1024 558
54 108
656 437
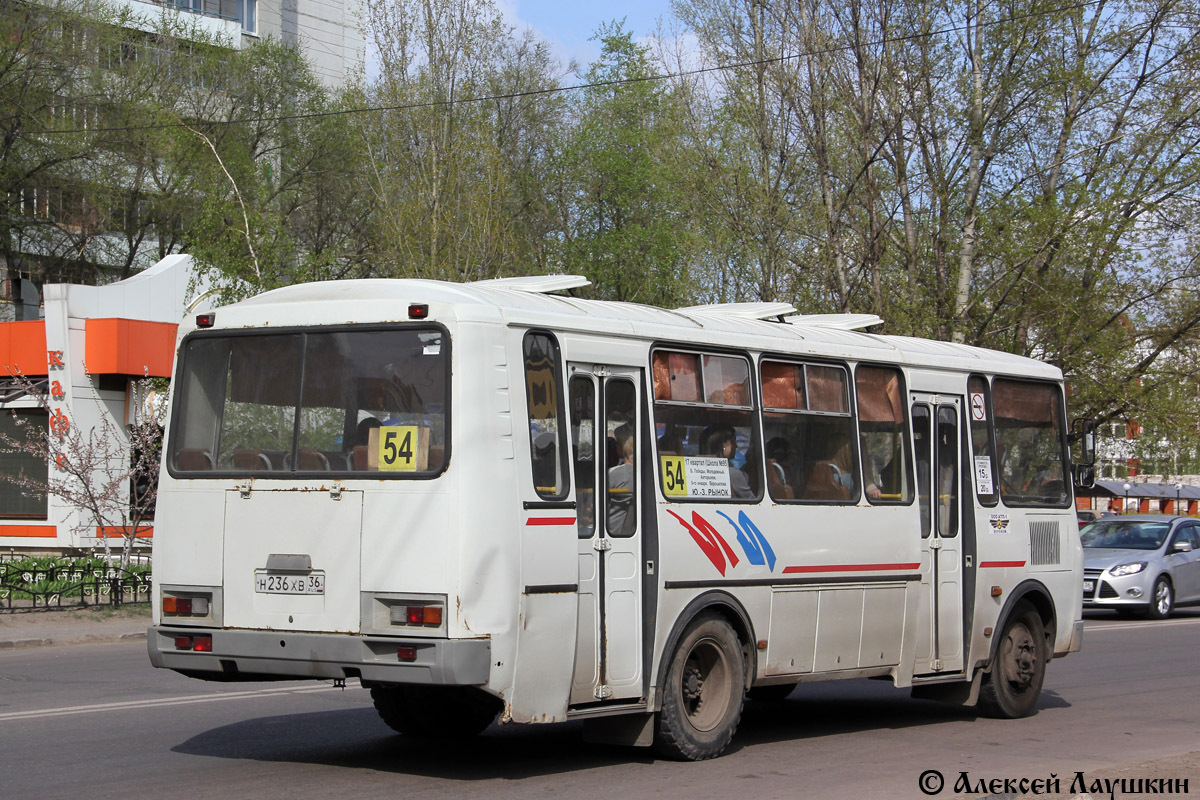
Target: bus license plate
1089 587
274 583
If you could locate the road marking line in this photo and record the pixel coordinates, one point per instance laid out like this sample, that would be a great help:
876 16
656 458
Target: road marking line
1124 626
161 702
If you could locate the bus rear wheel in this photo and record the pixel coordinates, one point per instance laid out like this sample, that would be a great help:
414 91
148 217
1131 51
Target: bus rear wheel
1013 686
702 698
442 712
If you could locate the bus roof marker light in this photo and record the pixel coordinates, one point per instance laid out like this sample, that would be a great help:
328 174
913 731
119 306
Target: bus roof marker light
206 320
418 311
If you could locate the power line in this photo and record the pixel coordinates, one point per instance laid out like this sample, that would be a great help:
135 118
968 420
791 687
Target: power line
551 90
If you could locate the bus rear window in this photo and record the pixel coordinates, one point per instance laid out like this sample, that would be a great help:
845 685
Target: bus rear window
348 401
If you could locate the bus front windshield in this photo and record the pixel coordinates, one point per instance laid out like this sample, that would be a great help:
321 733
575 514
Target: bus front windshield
348 400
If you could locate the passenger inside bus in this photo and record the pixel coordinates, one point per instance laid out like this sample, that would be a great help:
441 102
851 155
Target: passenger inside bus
621 516
831 477
362 437
779 464
721 441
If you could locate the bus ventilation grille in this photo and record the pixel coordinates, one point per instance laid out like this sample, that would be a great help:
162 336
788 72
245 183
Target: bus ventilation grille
1043 543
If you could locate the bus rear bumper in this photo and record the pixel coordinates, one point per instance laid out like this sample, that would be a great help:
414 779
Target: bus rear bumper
252 655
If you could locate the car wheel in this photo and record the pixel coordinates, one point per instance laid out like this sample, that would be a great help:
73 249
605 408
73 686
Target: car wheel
1013 686
1162 599
702 699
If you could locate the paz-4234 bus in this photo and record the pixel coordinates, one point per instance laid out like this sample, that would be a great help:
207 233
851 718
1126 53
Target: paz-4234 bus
495 499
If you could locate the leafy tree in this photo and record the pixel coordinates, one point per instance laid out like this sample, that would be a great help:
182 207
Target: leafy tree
622 218
91 187
279 185
454 179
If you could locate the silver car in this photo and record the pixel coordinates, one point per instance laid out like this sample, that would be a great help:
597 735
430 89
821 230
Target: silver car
1142 564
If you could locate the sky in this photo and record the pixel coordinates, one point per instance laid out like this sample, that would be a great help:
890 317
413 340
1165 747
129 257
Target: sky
567 25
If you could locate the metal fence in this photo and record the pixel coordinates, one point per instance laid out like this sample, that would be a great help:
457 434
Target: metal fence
28 588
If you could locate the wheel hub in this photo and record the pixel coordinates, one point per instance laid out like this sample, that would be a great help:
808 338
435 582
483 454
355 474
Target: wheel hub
1021 661
693 683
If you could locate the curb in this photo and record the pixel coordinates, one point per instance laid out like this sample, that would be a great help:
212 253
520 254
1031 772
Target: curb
22 644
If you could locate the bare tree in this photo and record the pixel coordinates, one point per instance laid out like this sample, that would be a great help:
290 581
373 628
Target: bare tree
109 473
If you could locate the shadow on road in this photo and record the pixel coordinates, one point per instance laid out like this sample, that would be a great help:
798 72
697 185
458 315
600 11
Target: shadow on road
356 738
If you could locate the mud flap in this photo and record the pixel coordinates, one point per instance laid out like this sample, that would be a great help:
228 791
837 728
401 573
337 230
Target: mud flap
962 693
630 730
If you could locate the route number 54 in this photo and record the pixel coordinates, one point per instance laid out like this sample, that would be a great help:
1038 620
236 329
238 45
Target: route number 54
398 448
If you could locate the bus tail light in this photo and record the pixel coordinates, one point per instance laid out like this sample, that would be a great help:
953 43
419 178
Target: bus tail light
406 653
185 606
417 615
177 606
200 643
418 311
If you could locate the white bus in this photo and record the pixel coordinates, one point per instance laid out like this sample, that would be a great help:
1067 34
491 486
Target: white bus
497 499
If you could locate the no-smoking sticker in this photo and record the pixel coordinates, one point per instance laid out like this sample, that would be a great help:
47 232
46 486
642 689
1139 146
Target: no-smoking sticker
978 409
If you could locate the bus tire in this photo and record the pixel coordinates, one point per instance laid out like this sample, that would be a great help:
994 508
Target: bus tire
440 712
1012 688
702 697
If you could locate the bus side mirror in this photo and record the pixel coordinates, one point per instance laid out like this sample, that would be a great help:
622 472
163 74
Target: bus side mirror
1085 476
1083 431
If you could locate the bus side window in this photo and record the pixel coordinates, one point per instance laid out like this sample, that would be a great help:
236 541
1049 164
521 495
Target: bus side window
983 459
809 432
883 435
704 414
543 382
583 447
1030 441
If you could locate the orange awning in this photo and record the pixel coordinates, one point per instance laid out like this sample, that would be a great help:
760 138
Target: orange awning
23 348
129 347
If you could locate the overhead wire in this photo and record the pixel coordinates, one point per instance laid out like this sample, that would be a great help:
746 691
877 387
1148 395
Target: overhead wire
616 82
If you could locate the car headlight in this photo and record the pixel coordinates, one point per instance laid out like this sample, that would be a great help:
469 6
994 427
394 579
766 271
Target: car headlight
1122 570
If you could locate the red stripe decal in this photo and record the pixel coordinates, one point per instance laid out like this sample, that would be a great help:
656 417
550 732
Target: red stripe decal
550 521
987 564
853 568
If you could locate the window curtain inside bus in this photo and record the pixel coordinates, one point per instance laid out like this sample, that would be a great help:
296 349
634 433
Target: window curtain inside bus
677 377
883 435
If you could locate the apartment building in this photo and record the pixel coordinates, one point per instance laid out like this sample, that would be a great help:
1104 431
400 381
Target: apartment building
328 32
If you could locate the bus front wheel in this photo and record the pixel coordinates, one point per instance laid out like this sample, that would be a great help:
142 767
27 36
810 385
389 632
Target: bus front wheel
702 698
1013 686
442 712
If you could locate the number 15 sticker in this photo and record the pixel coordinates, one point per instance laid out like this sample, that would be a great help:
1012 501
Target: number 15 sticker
398 448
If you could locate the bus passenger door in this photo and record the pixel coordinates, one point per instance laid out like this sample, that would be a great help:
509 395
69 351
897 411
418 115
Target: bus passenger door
607 443
937 444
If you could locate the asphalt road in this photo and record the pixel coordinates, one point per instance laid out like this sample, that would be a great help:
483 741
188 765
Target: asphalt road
97 721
